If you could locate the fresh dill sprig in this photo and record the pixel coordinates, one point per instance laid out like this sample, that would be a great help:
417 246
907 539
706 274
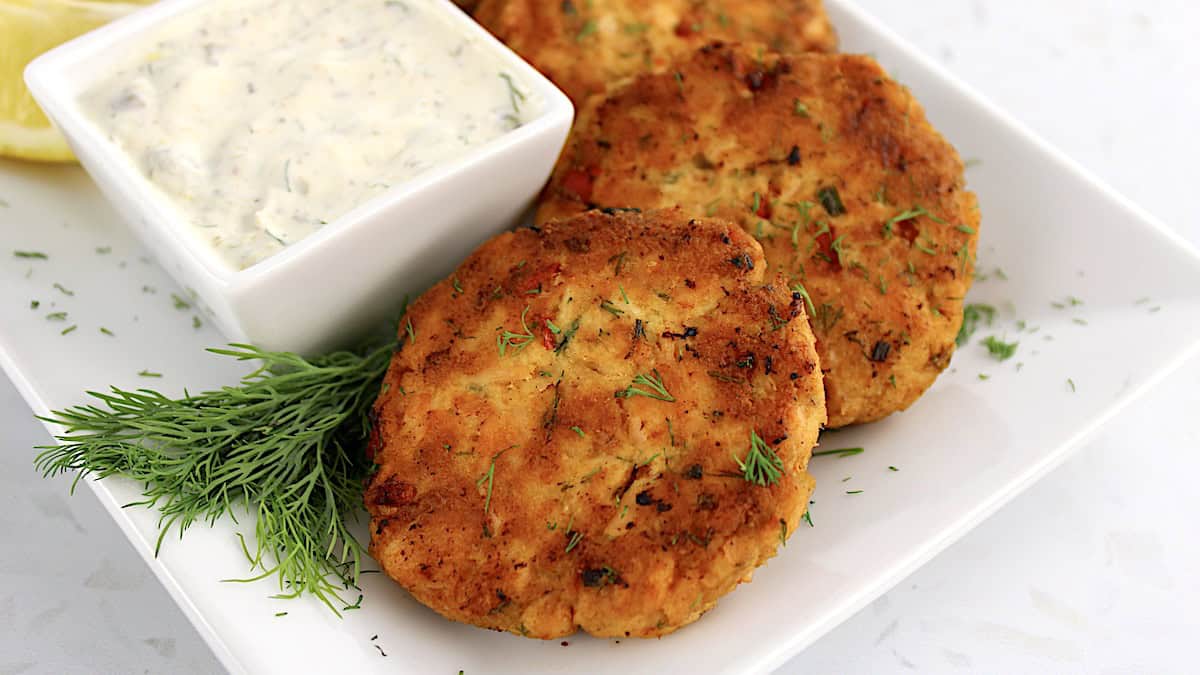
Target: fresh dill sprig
761 466
285 445
656 390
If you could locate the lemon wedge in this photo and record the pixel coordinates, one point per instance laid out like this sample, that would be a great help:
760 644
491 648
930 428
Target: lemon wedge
28 28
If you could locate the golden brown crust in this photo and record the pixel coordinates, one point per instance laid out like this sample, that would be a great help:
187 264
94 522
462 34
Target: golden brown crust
759 141
583 46
532 492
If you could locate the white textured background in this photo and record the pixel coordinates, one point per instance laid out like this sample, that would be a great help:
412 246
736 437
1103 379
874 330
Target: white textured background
1094 570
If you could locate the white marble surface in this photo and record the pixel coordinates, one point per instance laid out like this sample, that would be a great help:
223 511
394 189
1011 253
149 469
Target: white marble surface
1094 570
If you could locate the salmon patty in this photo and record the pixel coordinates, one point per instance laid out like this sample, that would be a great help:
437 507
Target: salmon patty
602 424
583 46
833 167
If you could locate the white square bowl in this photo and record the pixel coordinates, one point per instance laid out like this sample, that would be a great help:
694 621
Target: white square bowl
352 273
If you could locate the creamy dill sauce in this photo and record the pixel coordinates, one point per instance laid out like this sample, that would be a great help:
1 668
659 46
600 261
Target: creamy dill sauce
263 120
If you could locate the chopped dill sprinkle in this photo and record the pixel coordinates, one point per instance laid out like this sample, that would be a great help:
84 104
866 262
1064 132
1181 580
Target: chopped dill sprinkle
762 466
973 315
196 322
281 613
103 250
624 296
63 289
107 332
576 537
31 255
655 388
831 201
840 452
457 285
518 341
854 492
799 109
1079 321
1000 350
799 288
68 329
579 431
808 518
611 308
34 304
148 373
782 532
892 468
1071 384
984 376
56 316
412 332
179 302
965 229
589 27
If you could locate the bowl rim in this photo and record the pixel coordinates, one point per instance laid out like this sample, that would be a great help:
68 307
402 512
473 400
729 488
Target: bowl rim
55 80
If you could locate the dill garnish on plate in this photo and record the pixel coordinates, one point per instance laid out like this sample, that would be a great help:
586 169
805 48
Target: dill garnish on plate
286 445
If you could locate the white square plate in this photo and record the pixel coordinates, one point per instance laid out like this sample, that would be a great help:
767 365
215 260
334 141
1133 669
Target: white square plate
962 451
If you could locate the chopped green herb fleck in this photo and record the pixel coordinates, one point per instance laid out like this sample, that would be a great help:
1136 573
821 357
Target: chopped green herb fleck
589 27
196 322
911 214
892 468
761 466
107 332
412 332
579 431
69 329
1071 384
517 341
281 613
149 373
808 518
63 289
103 250
965 229
841 452
854 492
1000 350
576 537
179 302
31 255
782 532
831 201
799 109
1081 322
973 315
56 316
34 304
984 376
655 390
799 288
611 308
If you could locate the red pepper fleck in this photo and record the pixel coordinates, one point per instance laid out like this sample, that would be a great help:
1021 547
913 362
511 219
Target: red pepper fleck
540 279
908 229
542 323
579 183
825 249
764 209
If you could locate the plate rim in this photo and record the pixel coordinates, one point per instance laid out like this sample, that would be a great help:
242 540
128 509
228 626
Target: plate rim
898 569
